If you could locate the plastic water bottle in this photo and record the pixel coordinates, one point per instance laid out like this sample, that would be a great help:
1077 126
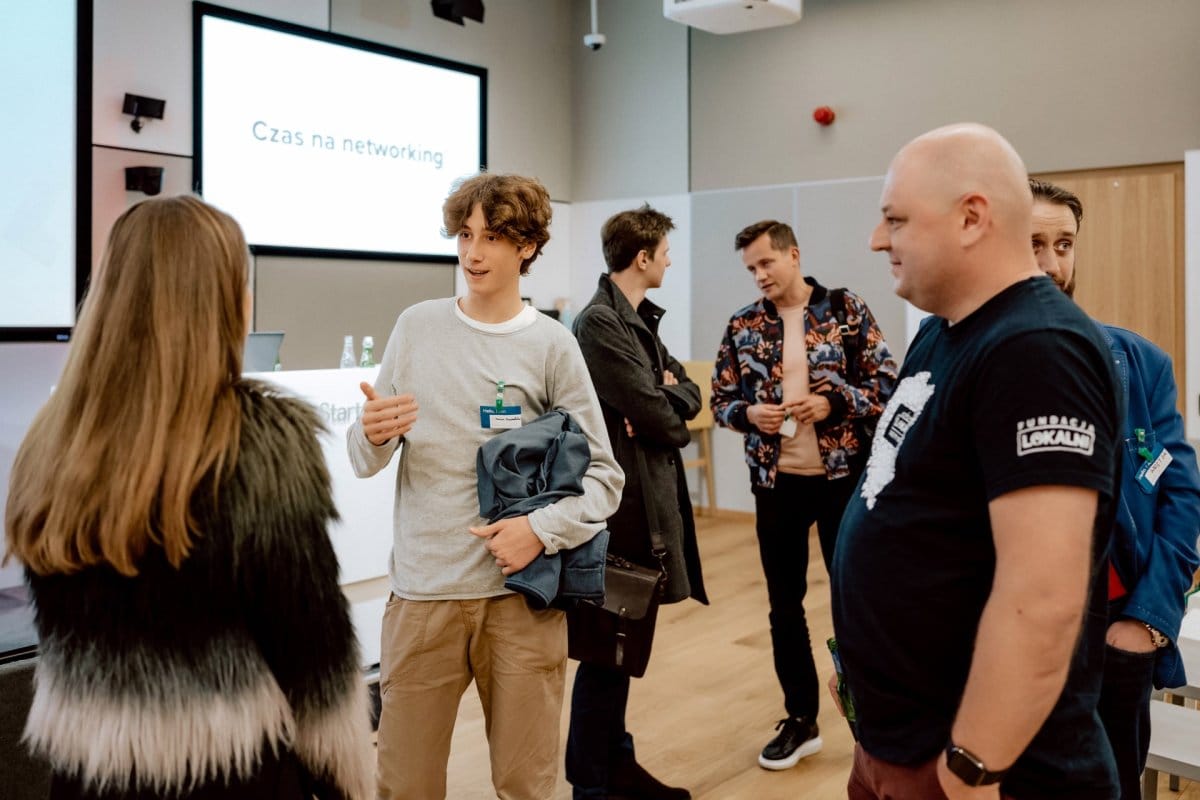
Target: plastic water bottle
347 353
368 352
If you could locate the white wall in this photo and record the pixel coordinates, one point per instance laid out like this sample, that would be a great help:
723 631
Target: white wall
1074 84
675 295
629 122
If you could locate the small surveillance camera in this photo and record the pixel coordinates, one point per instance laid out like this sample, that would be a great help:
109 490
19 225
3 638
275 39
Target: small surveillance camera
594 41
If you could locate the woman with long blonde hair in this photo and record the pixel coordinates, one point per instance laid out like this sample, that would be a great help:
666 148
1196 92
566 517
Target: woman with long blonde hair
171 518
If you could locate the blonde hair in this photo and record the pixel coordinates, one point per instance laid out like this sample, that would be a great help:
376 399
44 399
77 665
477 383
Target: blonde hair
146 410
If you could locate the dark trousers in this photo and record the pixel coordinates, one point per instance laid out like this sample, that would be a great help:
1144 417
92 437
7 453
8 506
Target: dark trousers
1124 709
873 779
597 738
783 516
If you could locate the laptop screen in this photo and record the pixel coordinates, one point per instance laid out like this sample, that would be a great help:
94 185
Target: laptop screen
262 351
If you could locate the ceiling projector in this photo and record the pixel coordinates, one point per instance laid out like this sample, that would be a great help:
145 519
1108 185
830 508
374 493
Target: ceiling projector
732 16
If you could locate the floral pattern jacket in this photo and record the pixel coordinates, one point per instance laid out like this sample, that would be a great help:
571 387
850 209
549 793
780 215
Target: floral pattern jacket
749 369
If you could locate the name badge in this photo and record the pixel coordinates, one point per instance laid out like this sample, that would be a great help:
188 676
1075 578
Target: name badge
787 428
1148 474
493 418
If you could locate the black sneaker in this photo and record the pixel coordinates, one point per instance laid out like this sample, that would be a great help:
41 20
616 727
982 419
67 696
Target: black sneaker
797 738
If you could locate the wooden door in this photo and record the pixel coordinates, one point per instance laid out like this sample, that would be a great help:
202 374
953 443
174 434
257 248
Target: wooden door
1129 262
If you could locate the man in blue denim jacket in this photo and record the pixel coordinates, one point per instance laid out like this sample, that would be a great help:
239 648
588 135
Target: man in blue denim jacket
1154 553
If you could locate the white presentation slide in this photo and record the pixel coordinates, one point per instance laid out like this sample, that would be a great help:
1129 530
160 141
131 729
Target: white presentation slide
318 145
37 162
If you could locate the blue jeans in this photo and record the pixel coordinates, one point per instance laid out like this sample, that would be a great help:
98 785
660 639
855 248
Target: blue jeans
597 738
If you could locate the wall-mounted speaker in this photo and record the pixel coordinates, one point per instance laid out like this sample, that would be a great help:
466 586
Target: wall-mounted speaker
147 180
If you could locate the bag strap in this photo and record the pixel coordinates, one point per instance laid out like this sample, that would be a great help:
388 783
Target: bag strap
657 546
837 301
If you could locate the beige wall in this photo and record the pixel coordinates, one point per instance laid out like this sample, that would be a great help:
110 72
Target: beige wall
1075 84
318 302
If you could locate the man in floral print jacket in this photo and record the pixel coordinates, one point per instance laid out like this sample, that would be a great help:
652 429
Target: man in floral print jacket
783 378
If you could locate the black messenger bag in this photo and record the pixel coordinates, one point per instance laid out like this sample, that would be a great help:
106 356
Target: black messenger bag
618 633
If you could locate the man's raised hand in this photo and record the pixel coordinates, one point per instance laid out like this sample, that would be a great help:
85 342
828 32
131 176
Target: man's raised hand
387 418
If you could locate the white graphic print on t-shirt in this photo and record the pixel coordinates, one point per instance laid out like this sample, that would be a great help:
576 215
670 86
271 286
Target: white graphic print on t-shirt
1052 433
902 411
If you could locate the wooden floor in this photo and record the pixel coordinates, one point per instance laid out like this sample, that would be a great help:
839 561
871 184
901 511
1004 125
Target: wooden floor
710 700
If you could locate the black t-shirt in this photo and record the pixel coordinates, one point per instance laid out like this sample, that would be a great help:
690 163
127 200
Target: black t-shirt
1020 393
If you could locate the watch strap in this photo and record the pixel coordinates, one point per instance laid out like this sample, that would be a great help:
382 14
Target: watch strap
969 768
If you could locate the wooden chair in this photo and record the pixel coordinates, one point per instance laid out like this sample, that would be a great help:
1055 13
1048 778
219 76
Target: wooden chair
702 428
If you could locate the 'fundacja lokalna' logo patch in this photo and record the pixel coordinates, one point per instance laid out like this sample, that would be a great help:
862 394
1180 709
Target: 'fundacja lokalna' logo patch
1053 433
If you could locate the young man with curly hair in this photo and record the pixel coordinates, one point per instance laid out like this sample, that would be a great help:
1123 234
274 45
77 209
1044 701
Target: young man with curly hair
450 619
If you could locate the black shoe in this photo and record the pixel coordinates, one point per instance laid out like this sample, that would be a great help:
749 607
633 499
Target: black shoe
798 737
629 780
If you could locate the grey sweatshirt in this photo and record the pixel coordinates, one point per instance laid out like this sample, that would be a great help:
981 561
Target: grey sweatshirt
452 364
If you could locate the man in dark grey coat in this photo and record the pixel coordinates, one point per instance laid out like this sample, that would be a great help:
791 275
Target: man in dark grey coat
647 399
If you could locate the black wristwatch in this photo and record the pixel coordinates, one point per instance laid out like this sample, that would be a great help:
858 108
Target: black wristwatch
969 768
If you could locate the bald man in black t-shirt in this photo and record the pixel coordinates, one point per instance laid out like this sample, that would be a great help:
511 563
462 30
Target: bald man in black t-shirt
966 561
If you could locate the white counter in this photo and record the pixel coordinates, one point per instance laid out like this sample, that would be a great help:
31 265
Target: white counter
362 538
1189 643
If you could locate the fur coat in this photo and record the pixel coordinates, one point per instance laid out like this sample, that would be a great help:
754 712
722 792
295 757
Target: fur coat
179 682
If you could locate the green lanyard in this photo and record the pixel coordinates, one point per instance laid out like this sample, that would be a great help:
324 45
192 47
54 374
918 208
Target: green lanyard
1142 450
499 396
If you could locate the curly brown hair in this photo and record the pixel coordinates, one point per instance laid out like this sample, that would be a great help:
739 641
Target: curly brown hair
516 207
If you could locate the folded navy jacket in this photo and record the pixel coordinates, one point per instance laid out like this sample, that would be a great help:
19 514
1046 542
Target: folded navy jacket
524 469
